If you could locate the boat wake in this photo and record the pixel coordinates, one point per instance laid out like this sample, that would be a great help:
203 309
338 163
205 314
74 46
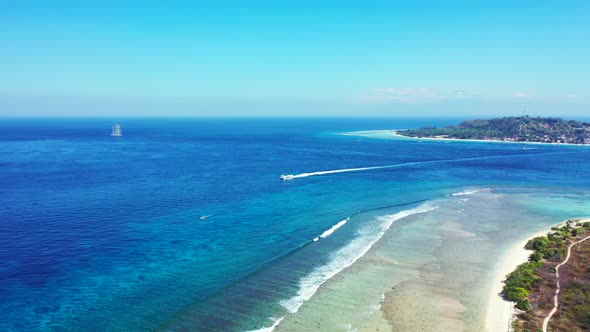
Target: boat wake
412 163
346 256
304 175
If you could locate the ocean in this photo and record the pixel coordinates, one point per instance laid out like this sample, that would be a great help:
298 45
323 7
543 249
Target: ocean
184 224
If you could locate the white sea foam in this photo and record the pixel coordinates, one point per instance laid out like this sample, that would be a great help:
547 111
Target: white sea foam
349 328
376 307
332 229
469 192
346 256
373 309
276 322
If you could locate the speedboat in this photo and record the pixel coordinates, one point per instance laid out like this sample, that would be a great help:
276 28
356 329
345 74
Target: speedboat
286 177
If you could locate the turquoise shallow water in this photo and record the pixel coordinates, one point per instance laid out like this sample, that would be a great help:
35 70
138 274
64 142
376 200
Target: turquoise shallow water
436 270
105 233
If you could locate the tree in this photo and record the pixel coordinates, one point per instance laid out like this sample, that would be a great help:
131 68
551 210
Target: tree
539 243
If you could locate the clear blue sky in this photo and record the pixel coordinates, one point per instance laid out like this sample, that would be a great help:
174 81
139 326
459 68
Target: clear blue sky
283 58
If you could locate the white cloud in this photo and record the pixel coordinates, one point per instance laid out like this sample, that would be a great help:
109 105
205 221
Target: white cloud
520 95
569 95
402 95
412 95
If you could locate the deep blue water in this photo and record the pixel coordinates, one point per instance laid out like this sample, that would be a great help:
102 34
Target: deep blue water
104 233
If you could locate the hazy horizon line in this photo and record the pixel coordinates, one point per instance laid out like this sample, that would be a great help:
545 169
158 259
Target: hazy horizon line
306 116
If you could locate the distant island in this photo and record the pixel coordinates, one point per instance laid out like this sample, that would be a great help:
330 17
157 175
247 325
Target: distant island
510 129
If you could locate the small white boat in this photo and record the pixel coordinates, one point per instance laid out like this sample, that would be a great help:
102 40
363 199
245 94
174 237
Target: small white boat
287 177
117 132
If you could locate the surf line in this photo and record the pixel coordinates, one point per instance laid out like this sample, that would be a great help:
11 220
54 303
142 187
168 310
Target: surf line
399 215
389 206
412 163
341 223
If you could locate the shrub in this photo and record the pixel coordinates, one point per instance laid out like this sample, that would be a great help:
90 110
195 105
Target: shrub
538 243
535 257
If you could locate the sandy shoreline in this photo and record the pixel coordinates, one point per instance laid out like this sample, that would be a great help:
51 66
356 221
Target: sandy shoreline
500 313
395 134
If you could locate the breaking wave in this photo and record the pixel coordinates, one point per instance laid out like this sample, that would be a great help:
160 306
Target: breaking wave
469 192
332 229
346 256
276 321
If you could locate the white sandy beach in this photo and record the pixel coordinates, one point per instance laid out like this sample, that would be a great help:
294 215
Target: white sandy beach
393 132
500 313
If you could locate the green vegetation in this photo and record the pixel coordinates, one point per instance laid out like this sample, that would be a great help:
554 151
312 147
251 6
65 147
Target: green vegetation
515 129
574 313
546 247
579 296
520 282
532 284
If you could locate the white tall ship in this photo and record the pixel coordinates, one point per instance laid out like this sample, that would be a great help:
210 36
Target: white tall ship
117 130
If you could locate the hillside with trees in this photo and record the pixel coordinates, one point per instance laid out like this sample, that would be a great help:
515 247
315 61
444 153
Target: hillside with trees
512 129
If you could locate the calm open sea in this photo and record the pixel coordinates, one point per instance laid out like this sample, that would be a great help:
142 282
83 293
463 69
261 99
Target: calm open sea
106 233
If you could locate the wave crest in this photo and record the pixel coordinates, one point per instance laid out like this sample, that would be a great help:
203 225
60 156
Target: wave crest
332 229
346 256
469 192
